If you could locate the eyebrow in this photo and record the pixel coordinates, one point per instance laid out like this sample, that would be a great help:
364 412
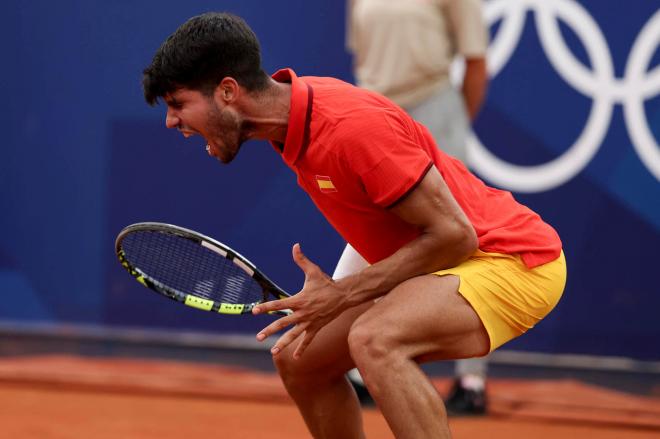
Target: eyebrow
170 100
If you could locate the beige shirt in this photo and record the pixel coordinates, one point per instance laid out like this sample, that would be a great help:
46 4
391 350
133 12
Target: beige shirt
403 49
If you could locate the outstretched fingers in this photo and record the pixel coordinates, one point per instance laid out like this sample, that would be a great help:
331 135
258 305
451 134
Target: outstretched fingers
309 308
272 305
307 266
288 337
307 338
275 326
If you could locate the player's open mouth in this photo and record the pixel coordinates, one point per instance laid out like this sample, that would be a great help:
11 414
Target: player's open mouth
188 133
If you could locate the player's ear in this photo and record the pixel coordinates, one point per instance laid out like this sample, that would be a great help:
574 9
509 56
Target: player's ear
228 90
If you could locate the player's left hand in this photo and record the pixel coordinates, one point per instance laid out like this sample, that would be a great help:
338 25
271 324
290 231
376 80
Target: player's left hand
319 302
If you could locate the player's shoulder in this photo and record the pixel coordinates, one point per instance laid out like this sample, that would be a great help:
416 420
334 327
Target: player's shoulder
333 91
348 120
351 107
323 81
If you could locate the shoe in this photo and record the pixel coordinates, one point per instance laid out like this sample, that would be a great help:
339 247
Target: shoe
362 392
363 395
465 402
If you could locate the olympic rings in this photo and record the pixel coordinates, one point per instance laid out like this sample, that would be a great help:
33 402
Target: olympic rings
600 84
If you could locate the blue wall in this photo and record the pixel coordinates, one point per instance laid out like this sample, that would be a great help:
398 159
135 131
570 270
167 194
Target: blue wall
84 156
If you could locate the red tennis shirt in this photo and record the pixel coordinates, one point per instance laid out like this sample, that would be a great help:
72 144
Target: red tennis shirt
356 154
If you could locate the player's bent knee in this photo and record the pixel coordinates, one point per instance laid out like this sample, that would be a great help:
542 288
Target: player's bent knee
293 376
286 365
369 343
303 371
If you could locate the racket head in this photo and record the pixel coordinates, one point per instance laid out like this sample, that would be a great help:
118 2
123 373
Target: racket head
193 269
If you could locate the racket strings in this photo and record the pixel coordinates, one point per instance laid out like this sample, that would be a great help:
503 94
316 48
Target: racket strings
186 266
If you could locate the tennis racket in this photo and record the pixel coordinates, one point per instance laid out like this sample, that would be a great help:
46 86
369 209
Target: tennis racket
194 269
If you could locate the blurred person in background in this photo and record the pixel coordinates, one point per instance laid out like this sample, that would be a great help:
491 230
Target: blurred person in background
404 50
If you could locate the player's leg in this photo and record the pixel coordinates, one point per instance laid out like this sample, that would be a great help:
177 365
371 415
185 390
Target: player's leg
317 381
426 319
422 319
349 263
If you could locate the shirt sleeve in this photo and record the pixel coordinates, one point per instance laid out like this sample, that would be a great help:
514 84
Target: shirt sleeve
467 22
388 158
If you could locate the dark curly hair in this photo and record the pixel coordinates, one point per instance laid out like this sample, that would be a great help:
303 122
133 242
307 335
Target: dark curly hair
201 52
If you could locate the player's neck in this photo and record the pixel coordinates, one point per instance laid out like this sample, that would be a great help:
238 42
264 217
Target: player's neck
268 112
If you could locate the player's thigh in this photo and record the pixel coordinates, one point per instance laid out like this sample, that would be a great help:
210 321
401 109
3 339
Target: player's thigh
328 353
425 318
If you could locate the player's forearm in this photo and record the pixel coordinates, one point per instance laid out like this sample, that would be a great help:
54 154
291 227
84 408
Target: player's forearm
428 253
475 83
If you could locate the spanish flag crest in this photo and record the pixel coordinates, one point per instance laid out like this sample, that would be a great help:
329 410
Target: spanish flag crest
325 183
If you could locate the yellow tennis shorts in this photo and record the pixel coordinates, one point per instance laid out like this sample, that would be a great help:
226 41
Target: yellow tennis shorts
509 297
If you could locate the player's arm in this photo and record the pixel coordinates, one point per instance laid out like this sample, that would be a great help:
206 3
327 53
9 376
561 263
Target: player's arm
475 83
447 239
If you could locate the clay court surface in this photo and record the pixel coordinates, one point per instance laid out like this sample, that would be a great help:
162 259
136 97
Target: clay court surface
47 397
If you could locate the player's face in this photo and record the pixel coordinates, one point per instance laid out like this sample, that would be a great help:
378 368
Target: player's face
193 113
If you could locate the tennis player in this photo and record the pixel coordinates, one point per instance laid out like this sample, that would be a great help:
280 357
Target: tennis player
457 268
